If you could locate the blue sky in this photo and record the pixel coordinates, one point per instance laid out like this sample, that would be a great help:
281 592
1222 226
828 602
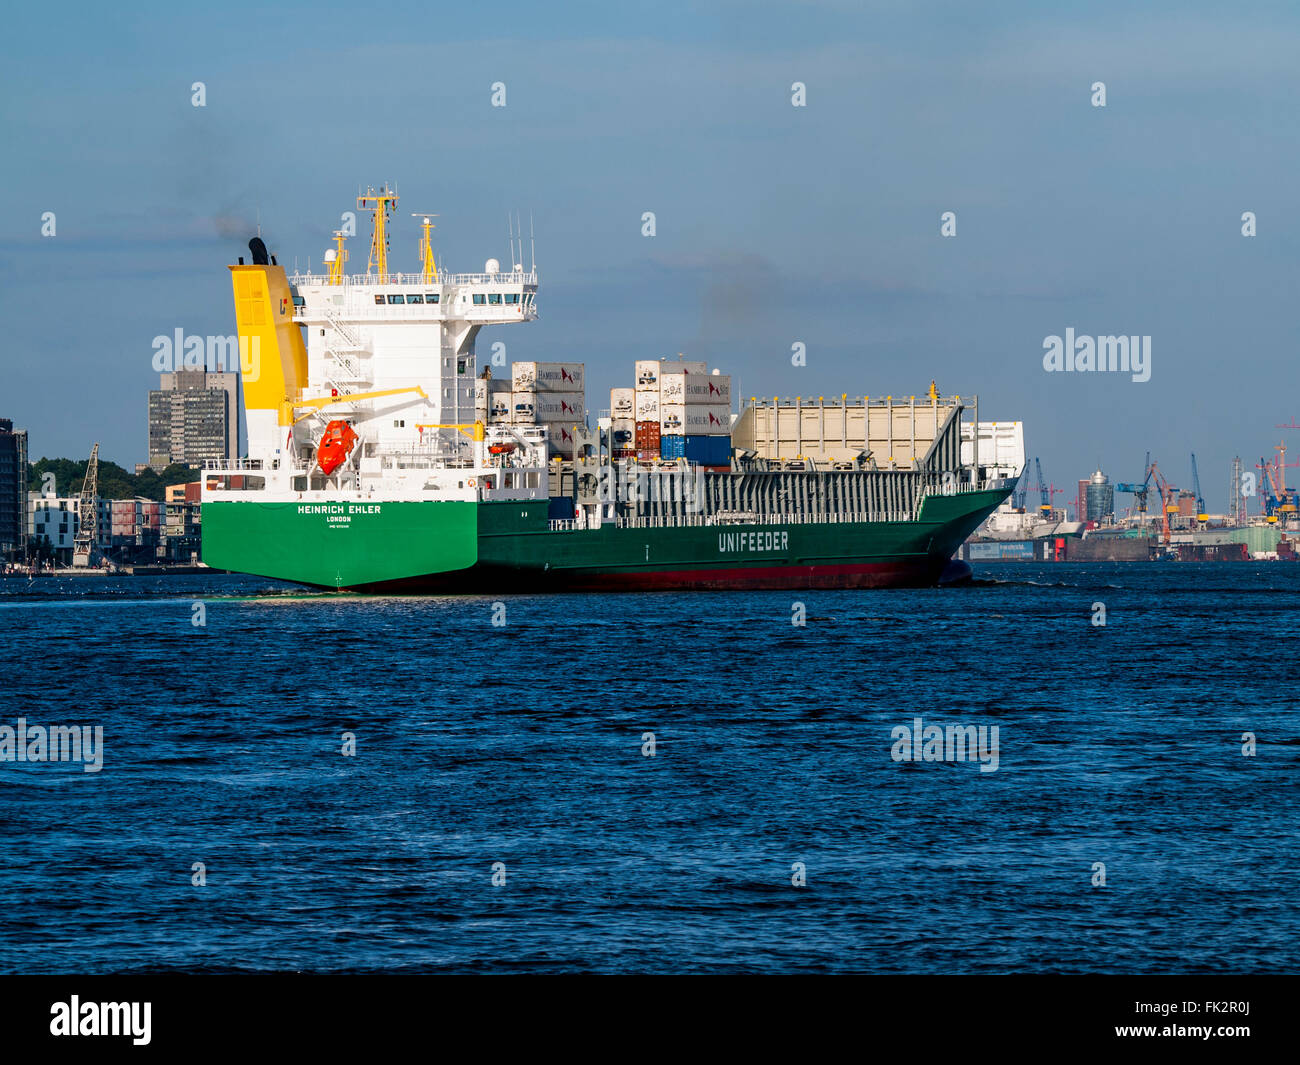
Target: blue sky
775 224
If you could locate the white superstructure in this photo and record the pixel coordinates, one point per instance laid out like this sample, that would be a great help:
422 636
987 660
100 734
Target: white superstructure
391 356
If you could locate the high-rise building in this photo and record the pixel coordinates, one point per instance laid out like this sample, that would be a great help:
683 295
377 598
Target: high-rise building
13 490
1101 498
194 418
1081 500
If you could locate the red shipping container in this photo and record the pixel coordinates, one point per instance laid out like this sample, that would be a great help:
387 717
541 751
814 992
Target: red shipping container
647 436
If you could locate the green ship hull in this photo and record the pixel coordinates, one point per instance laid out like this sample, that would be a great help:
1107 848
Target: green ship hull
494 548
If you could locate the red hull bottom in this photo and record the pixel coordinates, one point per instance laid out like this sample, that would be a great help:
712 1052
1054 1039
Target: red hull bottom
485 580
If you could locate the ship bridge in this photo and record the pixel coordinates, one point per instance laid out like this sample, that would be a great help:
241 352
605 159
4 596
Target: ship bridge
384 360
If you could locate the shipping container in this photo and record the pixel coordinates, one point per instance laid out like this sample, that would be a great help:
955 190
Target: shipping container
694 388
647 436
547 377
622 402
536 407
647 454
701 450
681 419
648 370
622 433
484 390
647 406
560 439
620 453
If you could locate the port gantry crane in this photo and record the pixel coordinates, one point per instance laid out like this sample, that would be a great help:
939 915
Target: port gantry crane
1168 501
1022 486
1201 515
1278 498
83 545
1045 494
1139 491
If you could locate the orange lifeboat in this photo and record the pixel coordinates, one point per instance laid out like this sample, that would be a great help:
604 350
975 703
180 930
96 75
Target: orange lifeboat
501 449
335 446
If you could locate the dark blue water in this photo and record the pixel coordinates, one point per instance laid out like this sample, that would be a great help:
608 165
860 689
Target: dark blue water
522 744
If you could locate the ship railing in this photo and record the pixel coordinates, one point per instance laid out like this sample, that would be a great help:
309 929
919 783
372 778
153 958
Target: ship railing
229 465
501 277
671 521
513 312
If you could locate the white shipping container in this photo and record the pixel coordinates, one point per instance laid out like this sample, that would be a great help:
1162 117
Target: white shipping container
683 419
560 440
647 406
696 388
483 389
534 407
1002 446
622 402
648 370
622 433
547 377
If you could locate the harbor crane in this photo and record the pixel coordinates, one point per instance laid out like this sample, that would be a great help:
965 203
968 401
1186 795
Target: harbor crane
1168 501
1278 498
1022 486
1139 491
1201 515
83 546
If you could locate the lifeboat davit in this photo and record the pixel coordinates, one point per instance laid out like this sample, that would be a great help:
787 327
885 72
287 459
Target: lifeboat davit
335 446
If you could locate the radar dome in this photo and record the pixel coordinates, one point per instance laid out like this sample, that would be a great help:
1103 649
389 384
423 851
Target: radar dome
492 267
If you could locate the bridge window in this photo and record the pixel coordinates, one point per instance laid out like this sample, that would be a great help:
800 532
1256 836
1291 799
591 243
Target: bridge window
495 297
396 298
479 299
379 298
512 297
431 297
414 297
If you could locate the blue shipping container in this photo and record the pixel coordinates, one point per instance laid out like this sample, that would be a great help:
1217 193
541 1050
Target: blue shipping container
701 450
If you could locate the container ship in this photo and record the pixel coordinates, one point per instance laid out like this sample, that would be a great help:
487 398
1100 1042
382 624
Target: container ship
381 460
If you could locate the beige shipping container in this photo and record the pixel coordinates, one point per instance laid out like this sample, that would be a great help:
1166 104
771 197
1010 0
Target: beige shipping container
648 370
684 419
647 406
622 403
484 390
695 388
547 377
622 433
528 408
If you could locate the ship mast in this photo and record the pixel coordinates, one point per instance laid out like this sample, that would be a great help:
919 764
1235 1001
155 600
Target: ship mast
379 204
340 257
427 265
